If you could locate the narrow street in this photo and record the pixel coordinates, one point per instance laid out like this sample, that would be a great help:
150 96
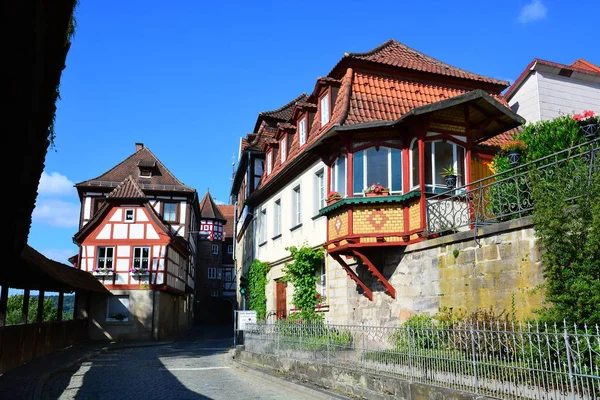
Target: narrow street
196 367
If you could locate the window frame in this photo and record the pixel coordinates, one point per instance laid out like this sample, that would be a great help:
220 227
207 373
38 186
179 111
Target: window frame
215 250
229 249
296 206
302 124
325 117
320 190
125 215
141 257
214 292
389 166
334 176
441 187
145 172
211 273
262 226
277 218
269 162
283 146
105 257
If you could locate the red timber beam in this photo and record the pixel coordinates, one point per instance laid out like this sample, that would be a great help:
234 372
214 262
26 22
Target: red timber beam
367 292
388 288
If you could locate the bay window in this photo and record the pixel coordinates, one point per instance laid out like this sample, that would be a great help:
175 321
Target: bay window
338 175
381 166
439 155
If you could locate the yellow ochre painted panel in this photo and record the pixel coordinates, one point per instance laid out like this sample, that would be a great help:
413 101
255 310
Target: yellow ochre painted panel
414 212
480 169
378 218
337 224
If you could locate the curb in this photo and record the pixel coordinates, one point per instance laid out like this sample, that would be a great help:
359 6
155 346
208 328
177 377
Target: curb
312 392
41 380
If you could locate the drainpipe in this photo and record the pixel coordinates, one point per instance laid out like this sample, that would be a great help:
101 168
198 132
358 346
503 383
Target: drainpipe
152 336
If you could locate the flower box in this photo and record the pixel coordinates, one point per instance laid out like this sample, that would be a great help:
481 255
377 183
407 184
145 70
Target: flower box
382 193
139 271
376 189
103 272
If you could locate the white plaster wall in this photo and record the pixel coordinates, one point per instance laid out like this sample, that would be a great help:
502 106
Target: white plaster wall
312 232
525 101
560 95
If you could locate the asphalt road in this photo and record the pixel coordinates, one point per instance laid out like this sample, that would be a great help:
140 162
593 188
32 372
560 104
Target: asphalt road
196 367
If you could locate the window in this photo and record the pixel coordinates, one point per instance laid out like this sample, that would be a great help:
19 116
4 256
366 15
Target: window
230 249
117 309
169 211
297 206
129 215
145 172
283 149
320 189
269 162
383 166
338 175
215 249
277 218
414 164
322 280
214 292
324 110
439 155
228 276
262 226
212 273
105 257
141 257
302 131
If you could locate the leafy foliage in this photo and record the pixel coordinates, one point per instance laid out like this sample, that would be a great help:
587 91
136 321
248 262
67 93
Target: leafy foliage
257 283
301 274
14 309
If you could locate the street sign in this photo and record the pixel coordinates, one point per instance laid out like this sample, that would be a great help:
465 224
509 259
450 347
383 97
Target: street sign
245 317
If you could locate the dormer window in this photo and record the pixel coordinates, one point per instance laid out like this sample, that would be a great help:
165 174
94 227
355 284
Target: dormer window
269 162
302 131
146 168
283 149
129 215
324 105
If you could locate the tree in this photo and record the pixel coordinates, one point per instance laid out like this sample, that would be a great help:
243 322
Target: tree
14 308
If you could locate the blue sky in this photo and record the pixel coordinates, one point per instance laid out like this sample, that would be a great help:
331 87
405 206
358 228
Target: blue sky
188 78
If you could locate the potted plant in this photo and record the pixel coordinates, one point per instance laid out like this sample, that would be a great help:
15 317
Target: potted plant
332 197
103 271
139 271
450 176
376 189
588 122
514 149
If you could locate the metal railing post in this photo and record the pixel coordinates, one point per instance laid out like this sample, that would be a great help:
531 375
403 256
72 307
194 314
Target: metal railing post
474 359
568 350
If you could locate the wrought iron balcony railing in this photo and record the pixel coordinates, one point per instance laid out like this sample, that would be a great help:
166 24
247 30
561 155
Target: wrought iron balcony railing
506 195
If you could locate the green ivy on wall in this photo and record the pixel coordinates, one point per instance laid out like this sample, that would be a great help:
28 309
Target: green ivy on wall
257 283
301 274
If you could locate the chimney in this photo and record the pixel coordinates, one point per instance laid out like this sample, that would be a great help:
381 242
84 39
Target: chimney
139 146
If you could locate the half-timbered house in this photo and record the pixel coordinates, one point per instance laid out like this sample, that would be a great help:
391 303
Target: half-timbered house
138 235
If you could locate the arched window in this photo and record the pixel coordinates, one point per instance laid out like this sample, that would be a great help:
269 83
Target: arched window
439 155
382 166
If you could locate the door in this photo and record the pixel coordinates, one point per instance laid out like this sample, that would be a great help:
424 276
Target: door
281 300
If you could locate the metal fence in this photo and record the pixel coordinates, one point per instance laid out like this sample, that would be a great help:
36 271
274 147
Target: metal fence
506 195
504 361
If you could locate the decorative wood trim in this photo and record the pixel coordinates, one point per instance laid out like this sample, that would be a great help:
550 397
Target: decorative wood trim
366 291
374 271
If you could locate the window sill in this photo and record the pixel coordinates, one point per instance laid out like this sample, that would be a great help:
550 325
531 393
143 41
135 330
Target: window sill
317 216
295 227
262 244
276 237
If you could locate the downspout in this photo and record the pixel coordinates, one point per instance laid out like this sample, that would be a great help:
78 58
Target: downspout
153 337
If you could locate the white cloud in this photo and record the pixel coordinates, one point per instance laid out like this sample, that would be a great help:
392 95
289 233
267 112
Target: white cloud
219 202
55 184
533 11
60 255
56 213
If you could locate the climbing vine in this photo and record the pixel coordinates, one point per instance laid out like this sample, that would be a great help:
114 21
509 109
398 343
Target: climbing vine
301 274
257 283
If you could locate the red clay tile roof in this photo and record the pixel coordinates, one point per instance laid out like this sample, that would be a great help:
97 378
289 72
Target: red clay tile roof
500 139
283 113
396 54
579 65
128 189
228 211
162 179
209 209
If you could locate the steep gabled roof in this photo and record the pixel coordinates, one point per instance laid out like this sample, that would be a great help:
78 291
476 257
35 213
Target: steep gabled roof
282 114
128 189
395 54
586 65
209 209
228 211
162 179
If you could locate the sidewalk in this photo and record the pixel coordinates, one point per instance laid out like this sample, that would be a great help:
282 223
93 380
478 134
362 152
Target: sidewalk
26 382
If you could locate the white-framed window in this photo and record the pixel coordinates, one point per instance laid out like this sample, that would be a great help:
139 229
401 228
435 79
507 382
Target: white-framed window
170 211
296 206
302 131
117 309
228 275
215 249
338 175
322 279
439 155
145 172
262 226
320 190
129 215
383 167
230 249
283 149
141 258
324 109
269 162
277 218
105 257
212 273
414 165
214 292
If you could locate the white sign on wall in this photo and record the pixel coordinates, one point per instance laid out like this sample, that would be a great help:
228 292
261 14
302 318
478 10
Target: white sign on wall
245 317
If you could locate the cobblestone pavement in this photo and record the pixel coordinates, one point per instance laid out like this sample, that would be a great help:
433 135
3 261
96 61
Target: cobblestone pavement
196 367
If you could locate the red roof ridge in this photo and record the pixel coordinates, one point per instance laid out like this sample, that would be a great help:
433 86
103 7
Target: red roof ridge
128 189
586 65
